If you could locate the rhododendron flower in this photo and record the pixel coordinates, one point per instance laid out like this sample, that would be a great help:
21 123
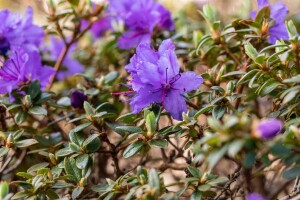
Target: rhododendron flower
156 78
140 19
254 196
16 31
70 66
278 13
99 27
268 128
23 66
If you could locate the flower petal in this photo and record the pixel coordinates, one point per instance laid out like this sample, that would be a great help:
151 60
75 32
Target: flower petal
168 66
187 82
175 104
278 32
278 12
144 97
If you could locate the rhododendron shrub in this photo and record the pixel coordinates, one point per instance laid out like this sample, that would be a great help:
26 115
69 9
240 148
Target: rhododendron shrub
128 99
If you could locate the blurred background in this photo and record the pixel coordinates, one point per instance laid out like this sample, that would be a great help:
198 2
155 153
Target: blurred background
227 8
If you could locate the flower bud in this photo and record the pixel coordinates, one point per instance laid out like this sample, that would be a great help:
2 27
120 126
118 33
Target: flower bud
268 128
254 196
77 99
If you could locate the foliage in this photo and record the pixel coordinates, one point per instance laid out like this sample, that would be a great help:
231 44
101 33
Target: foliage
51 150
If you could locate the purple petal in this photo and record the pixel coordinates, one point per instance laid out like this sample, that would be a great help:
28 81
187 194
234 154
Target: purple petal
144 97
278 32
133 38
187 82
262 3
145 52
168 66
166 45
279 12
150 74
175 104
254 196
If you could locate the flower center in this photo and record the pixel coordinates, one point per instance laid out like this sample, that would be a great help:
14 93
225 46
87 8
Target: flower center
4 45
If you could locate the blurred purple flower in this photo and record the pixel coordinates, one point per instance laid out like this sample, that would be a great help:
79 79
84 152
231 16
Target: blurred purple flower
99 27
140 19
23 66
77 99
254 196
16 30
70 65
156 79
278 13
268 128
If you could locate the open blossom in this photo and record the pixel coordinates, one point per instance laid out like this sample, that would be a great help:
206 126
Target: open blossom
23 66
268 128
156 78
16 30
70 66
140 19
278 13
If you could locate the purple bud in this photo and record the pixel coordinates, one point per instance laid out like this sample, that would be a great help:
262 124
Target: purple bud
77 99
268 128
254 196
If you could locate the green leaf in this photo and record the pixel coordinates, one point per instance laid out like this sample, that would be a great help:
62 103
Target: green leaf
24 175
20 117
263 14
71 169
76 192
74 147
127 118
34 89
133 149
203 110
194 172
82 126
38 110
291 173
160 143
154 180
110 77
218 112
251 51
204 187
3 151
4 189
151 122
235 147
37 167
51 194
92 143
197 195
88 108
21 195
64 152
82 161
130 129
292 30
65 101
218 180
76 137
26 143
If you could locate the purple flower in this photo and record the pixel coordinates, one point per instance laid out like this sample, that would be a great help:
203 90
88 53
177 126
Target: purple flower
278 14
156 79
17 31
268 128
99 27
140 19
77 99
23 65
70 65
254 196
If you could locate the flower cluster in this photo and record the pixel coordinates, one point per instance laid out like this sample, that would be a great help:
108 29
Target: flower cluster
278 13
140 19
16 31
156 78
23 66
20 40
